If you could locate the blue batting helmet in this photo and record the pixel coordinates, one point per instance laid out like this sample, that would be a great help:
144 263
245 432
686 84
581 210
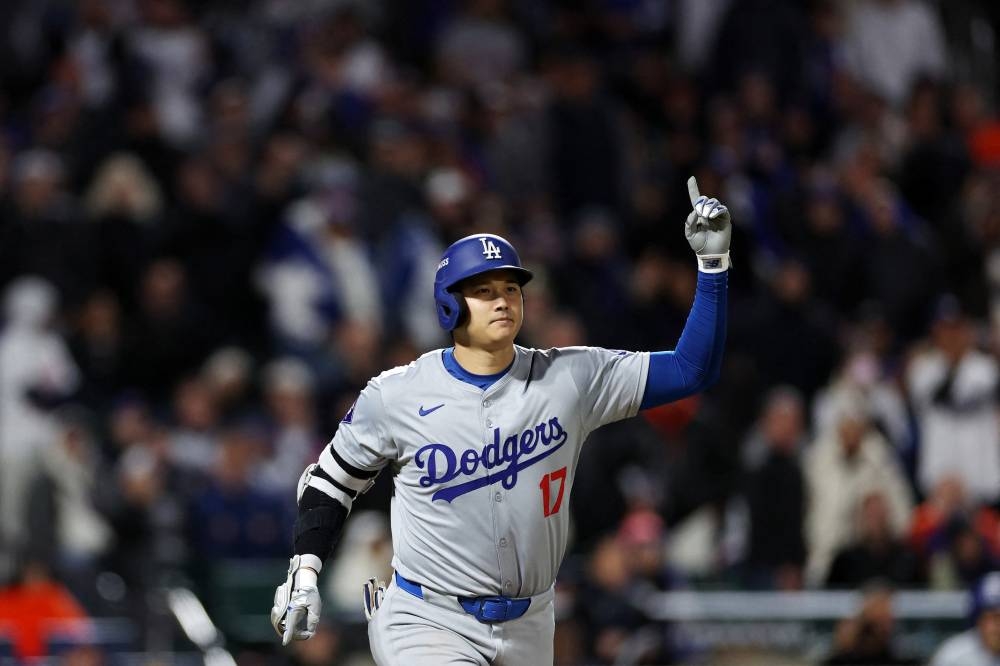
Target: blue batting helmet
470 256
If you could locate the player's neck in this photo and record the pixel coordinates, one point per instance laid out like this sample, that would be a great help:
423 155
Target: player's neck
481 361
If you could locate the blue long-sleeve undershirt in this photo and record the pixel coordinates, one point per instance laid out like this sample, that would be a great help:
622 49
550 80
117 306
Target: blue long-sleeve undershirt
695 363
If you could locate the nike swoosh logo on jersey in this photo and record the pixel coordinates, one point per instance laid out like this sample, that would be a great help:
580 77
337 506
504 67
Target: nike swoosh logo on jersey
425 412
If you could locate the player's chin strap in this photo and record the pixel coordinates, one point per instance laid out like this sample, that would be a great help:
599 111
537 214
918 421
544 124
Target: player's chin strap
713 263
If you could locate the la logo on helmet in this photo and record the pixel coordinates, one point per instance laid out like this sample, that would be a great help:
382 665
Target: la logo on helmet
490 249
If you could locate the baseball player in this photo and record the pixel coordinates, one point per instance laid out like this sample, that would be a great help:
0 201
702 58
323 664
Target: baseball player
483 439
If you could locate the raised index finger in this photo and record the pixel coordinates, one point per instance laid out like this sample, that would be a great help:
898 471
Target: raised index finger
693 192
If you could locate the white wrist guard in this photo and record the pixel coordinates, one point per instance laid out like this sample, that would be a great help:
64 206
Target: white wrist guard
713 263
307 573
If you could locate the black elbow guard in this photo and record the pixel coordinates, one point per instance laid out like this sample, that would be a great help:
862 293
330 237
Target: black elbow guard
319 524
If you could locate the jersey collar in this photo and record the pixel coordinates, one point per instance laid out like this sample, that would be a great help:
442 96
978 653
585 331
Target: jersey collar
521 356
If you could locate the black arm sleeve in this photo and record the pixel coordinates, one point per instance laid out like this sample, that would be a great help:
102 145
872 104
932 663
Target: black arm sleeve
319 524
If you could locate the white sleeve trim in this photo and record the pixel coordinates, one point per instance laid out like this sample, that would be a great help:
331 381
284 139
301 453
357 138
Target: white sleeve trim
329 464
641 386
325 486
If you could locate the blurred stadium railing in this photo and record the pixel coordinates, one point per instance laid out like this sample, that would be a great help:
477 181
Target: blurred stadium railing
797 624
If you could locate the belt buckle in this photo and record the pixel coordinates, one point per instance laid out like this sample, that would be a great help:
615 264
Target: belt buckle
494 609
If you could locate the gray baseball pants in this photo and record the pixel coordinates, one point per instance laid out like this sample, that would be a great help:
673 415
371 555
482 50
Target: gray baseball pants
436 631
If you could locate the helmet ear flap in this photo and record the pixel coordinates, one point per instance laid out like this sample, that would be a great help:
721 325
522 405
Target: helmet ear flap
463 310
450 310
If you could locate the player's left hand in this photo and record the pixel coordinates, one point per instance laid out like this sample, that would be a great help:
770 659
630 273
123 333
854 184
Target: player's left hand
708 228
374 591
295 614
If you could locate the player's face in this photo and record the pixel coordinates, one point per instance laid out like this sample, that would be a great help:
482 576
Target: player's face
496 310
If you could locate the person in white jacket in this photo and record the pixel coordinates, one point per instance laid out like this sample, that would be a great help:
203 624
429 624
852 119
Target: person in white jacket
847 462
35 367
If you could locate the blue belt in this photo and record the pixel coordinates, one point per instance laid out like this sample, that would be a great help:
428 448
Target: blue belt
485 609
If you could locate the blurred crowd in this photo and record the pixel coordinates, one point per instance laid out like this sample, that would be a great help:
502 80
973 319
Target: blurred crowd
218 219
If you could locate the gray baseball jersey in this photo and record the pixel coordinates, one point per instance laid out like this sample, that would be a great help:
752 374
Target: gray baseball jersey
482 478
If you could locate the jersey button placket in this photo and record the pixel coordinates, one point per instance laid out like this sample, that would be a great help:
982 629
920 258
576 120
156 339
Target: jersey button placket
508 563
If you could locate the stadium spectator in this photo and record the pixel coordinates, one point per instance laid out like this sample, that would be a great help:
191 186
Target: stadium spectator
898 243
228 377
68 534
146 503
171 334
288 389
192 437
952 386
877 554
598 273
960 555
978 127
608 613
787 334
643 536
33 607
124 207
237 520
369 553
775 492
747 49
947 501
173 51
41 207
933 167
864 372
97 344
584 146
889 43
980 645
845 464
479 46
36 373
210 234
830 250
867 636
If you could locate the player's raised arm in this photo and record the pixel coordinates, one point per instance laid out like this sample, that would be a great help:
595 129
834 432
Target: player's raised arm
695 363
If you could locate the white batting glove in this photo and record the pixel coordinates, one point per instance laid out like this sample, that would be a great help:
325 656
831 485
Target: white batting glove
374 591
708 230
296 601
